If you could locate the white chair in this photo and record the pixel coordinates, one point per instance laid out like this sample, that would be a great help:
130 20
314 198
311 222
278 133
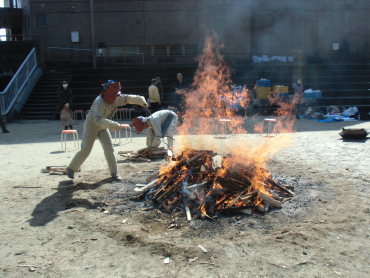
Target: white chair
63 138
117 134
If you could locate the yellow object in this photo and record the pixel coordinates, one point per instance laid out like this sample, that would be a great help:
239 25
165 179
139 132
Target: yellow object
280 89
263 92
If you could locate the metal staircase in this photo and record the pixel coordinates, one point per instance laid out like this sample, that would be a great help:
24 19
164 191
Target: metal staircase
42 102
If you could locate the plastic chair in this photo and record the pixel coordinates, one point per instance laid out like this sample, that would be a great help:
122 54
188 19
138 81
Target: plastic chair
269 127
128 131
77 113
63 138
121 113
129 113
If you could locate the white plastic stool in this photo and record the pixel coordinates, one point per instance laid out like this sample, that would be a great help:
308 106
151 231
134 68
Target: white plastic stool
223 123
63 137
121 114
129 113
127 129
269 127
77 113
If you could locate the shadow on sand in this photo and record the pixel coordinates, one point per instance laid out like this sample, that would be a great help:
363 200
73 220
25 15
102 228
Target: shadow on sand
47 210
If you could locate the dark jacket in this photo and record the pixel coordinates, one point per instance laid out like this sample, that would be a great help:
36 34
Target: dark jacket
65 96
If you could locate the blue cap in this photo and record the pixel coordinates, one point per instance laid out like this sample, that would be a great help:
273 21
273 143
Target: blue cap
105 85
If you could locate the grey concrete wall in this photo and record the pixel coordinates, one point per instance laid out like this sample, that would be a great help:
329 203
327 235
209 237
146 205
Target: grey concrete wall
246 27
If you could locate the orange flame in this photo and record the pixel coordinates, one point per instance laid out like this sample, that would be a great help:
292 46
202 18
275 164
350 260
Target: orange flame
212 98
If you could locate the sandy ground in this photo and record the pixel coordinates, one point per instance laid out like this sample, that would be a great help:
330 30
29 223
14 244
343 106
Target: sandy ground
51 227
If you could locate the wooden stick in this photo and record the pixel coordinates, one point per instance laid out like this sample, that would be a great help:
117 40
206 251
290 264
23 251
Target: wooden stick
188 215
61 166
237 198
254 192
195 157
168 191
25 186
148 186
270 200
274 183
197 185
143 159
56 169
124 152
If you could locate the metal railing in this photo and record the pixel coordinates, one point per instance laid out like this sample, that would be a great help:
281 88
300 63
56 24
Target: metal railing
62 53
65 53
17 83
124 54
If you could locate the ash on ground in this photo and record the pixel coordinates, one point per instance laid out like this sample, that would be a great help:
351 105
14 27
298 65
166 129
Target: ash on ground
119 198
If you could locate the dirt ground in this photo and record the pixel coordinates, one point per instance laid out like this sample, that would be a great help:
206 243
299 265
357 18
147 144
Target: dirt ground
52 227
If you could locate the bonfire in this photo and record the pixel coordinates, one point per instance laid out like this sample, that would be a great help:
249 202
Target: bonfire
205 183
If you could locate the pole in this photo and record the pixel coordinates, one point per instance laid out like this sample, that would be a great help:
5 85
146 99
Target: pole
92 27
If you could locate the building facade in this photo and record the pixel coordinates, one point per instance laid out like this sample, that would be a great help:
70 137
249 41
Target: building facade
173 31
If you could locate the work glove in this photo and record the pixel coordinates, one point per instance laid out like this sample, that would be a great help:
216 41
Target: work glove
116 127
135 99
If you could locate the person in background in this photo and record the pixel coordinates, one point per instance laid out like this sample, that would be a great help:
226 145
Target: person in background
65 95
2 123
175 99
160 124
66 117
154 96
97 123
298 92
180 83
160 89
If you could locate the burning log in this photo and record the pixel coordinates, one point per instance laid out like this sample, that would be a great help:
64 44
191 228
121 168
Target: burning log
276 184
269 200
197 186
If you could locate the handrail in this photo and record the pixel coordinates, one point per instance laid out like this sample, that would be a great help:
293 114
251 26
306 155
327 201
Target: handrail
129 52
124 53
70 48
18 81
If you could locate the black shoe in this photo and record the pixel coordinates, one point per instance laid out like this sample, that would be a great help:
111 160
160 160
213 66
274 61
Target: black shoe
70 173
5 131
117 177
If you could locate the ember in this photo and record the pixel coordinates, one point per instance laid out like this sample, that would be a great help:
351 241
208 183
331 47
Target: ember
205 183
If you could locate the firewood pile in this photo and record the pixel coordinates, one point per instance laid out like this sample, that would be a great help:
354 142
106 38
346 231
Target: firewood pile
204 183
145 154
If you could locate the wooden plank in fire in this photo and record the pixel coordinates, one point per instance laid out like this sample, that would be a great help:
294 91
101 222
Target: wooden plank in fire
249 196
147 186
163 184
171 189
268 199
198 155
276 184
236 199
193 186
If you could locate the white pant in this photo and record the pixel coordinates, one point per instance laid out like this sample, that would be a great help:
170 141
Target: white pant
90 133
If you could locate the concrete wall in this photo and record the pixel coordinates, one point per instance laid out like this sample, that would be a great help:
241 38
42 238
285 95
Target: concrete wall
246 27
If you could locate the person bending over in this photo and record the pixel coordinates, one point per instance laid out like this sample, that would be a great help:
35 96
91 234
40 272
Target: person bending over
160 124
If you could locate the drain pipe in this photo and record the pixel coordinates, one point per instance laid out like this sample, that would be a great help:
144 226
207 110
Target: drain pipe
92 27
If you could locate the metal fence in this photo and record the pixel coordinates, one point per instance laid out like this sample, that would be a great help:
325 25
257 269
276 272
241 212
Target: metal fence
17 83
69 54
